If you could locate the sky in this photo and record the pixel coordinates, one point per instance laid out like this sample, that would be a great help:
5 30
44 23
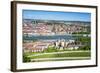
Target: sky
56 15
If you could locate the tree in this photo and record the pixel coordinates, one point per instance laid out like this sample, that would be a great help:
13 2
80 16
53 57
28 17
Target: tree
26 59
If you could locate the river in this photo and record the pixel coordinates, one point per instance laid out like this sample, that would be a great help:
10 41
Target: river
54 37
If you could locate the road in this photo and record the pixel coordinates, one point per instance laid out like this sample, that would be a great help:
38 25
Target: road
63 58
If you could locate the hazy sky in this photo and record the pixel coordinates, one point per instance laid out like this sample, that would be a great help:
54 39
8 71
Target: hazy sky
55 15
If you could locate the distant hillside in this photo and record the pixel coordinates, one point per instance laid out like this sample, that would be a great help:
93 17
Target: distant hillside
55 21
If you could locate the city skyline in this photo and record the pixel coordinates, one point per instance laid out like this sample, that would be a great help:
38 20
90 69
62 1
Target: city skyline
56 15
